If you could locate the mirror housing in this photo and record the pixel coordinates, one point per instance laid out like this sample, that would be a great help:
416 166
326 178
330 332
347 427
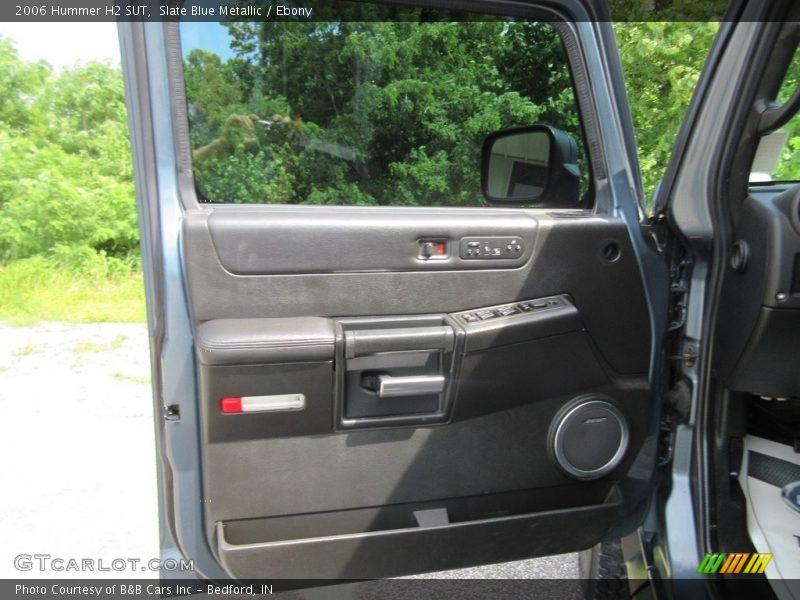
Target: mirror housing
531 165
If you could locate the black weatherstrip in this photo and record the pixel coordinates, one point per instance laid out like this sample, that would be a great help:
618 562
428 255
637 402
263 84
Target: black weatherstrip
771 470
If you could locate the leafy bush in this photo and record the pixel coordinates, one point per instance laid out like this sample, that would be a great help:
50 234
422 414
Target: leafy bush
402 106
65 163
415 108
662 62
69 242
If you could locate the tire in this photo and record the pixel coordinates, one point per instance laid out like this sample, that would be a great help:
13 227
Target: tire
603 571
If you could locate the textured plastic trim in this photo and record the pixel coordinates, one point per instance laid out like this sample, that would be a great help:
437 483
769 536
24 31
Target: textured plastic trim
393 552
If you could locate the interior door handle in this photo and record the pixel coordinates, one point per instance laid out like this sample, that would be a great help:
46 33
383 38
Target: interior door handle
415 385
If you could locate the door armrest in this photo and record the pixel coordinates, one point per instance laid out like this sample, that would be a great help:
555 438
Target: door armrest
256 341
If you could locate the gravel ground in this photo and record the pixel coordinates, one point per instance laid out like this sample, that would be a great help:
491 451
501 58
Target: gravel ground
78 457
76 441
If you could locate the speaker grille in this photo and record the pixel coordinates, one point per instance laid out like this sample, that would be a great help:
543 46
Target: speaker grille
589 438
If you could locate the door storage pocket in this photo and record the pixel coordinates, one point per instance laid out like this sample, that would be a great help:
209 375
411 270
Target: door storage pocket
387 542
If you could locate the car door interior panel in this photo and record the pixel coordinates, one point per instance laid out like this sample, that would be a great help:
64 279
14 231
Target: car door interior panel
402 545
368 240
407 317
360 397
587 256
387 351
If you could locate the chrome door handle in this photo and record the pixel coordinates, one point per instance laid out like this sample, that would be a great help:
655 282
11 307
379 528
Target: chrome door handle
415 385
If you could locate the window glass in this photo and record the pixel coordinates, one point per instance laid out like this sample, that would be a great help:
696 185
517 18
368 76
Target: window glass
380 112
778 154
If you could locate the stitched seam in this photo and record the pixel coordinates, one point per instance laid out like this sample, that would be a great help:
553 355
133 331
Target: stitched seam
292 344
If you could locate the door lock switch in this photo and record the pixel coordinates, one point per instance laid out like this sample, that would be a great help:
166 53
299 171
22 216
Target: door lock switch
491 248
432 249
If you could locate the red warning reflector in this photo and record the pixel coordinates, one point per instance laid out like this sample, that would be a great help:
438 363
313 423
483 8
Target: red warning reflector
231 405
245 404
440 248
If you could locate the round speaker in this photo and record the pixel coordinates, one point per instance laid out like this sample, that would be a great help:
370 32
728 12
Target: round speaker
589 437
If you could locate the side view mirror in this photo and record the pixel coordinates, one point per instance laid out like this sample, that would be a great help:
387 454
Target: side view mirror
535 164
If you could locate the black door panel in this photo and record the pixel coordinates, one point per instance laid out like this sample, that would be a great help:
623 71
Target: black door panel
360 545
366 391
568 254
351 240
327 490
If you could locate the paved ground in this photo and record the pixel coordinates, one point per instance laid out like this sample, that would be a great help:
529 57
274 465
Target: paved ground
75 441
78 474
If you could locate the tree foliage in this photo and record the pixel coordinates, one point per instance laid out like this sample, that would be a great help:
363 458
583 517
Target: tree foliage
364 112
410 101
65 166
789 163
383 112
662 62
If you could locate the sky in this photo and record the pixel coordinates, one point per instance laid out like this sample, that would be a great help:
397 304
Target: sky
64 44
208 36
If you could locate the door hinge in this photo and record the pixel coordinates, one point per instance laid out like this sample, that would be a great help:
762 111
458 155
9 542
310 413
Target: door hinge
689 356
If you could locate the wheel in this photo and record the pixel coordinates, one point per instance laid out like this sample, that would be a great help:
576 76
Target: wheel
603 571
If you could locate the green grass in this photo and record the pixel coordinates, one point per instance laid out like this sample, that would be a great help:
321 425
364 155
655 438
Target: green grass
120 376
92 346
26 350
40 289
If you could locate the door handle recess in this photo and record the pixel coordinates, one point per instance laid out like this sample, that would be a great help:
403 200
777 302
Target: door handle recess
415 385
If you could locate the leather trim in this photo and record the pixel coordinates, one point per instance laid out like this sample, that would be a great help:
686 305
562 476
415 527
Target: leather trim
256 341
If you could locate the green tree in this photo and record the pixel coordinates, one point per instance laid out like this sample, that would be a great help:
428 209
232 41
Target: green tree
788 168
402 105
662 62
19 81
65 166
